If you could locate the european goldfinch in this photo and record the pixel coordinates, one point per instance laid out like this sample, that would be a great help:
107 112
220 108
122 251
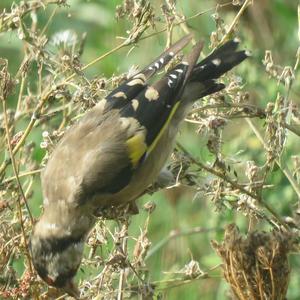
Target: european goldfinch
112 155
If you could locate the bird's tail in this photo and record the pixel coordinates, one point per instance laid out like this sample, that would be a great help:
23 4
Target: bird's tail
202 80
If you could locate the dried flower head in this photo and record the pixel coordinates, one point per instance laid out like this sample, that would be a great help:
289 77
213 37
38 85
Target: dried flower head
256 266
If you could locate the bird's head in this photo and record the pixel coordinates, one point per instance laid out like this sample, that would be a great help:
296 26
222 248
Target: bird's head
57 259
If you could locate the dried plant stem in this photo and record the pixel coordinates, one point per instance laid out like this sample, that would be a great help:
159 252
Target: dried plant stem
235 20
19 184
49 21
272 281
175 234
236 286
176 282
20 94
259 111
122 273
187 19
124 44
233 184
285 170
7 19
28 189
229 106
181 20
102 277
121 285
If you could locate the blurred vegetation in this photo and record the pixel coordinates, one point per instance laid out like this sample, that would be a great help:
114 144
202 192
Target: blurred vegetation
180 263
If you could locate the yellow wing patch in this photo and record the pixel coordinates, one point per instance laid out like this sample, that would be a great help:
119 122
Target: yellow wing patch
136 147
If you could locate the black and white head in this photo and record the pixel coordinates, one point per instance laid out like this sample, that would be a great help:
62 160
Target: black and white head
57 260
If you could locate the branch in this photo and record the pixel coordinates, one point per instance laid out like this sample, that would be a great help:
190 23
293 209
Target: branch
6 124
285 170
233 184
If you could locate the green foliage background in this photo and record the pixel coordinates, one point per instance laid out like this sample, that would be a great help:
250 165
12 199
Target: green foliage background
269 25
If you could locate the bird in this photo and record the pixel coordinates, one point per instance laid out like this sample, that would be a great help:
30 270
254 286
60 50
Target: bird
116 151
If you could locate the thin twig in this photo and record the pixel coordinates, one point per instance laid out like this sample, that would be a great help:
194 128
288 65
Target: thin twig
187 19
233 184
19 184
122 273
176 282
20 95
285 169
228 106
235 20
24 174
49 21
175 234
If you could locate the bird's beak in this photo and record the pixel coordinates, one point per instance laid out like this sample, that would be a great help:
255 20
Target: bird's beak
71 289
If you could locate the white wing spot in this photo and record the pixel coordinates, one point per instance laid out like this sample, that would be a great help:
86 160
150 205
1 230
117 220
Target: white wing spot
179 70
151 93
135 81
171 53
140 76
135 104
156 65
119 95
161 60
185 63
173 76
216 61
150 68
170 82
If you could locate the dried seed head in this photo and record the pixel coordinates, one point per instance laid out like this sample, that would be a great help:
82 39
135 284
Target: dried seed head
257 264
